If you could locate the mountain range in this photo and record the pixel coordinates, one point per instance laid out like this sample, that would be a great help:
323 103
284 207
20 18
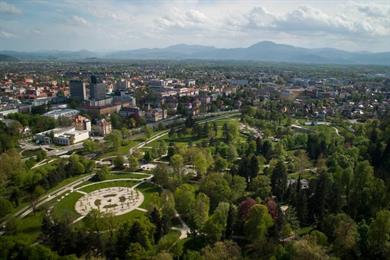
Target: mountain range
263 51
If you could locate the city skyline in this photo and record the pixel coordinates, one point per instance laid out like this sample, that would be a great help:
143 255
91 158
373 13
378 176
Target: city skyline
122 25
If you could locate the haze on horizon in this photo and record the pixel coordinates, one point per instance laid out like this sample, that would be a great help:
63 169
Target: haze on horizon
107 25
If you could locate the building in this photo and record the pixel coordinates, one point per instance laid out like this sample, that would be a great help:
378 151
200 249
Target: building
130 111
57 113
238 82
97 91
62 136
101 102
122 85
71 137
101 110
82 123
102 127
190 83
95 79
155 115
77 90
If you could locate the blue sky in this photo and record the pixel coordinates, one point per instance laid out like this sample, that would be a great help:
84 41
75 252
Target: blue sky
105 25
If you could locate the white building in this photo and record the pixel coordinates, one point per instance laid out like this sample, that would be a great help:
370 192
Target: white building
57 113
72 137
62 136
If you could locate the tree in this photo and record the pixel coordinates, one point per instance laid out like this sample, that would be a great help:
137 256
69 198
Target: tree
115 139
342 230
367 192
257 223
119 162
200 211
230 132
5 207
162 148
38 191
318 205
220 164
133 163
163 256
200 162
134 240
216 188
237 186
11 167
245 206
101 174
279 180
307 250
148 131
215 226
156 219
232 153
75 165
136 251
148 157
226 250
177 162
161 176
379 235
90 146
261 186
254 167
185 198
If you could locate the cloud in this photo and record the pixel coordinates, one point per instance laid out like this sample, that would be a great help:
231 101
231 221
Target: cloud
6 8
6 35
136 24
79 21
184 20
307 20
374 10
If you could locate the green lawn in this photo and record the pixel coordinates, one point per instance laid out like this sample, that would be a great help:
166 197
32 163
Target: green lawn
66 181
29 228
147 189
123 150
119 175
103 185
30 153
305 175
304 231
115 220
65 208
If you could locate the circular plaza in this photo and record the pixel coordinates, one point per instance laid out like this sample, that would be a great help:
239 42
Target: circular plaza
112 200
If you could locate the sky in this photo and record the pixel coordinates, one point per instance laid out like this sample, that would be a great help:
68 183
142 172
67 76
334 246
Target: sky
109 25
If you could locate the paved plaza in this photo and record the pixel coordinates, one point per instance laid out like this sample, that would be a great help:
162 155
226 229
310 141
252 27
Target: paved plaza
114 200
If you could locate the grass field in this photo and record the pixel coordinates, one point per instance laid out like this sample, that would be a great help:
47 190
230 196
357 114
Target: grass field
65 208
116 221
119 175
148 189
28 229
102 185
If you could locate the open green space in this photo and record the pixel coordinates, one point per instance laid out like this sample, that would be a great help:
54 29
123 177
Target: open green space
65 207
102 185
148 189
30 153
305 175
124 174
28 229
